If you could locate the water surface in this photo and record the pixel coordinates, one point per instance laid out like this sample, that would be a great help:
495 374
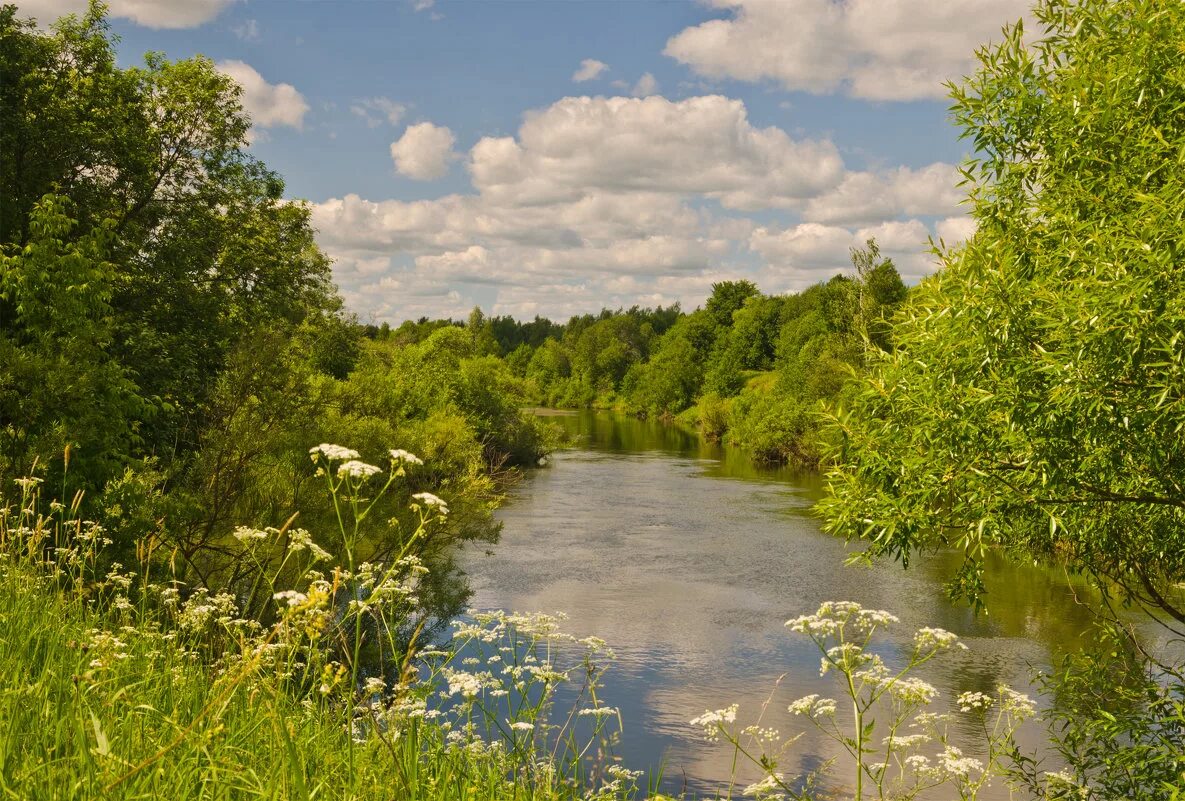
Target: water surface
688 560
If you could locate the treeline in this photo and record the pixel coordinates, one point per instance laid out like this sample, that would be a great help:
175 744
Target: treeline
747 368
171 343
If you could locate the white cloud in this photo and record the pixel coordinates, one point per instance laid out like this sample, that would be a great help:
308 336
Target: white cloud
377 110
870 196
701 145
149 13
590 69
268 104
248 31
424 151
873 49
617 201
802 254
954 230
647 85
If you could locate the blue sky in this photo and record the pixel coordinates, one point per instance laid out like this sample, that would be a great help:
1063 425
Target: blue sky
456 153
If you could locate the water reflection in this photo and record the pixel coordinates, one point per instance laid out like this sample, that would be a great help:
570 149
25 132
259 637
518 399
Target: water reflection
688 559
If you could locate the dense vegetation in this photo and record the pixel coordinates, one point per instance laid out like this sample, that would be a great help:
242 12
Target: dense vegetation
191 606
172 341
747 368
1036 397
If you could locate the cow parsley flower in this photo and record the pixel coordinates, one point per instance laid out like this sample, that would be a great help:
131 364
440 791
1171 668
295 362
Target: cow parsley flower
405 457
334 453
933 639
357 469
972 701
428 499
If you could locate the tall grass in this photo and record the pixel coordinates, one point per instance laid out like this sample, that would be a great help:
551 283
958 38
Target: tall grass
309 681
118 684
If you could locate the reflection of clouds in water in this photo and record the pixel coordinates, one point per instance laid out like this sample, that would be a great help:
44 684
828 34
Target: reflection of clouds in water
690 578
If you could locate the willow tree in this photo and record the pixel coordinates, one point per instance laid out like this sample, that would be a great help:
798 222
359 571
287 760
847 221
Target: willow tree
1036 397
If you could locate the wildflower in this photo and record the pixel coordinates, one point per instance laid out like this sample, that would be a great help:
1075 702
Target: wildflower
974 700
813 706
406 457
914 691
522 725
768 788
357 469
953 762
430 500
907 741
27 483
933 639
247 534
598 712
712 722
374 685
1016 704
332 452
290 597
300 540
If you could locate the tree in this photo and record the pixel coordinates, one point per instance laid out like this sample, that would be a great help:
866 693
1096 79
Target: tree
203 250
727 297
1036 397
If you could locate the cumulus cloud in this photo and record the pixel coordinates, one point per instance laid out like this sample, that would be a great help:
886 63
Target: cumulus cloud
590 69
799 255
617 201
701 145
424 151
268 104
872 49
868 196
377 110
149 13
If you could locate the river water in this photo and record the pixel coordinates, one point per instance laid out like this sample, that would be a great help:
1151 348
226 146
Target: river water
688 560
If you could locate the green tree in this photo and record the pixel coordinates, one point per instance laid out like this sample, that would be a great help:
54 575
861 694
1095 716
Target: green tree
204 250
726 298
1036 397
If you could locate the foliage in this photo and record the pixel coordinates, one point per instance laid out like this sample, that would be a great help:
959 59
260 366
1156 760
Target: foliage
1034 400
142 174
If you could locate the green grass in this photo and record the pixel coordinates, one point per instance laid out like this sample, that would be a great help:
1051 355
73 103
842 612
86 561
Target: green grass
90 709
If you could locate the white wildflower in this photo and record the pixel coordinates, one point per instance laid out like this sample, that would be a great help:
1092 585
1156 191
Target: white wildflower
1017 704
768 788
357 469
246 534
301 540
428 499
406 457
953 762
522 725
332 452
290 598
598 712
712 722
971 701
933 639
813 706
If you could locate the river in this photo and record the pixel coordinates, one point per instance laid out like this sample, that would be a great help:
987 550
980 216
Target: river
688 560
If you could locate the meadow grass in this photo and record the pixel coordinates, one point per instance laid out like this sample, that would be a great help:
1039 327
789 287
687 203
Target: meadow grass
129 684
